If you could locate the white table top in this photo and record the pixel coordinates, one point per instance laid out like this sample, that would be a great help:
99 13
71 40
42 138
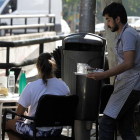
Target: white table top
5 99
9 98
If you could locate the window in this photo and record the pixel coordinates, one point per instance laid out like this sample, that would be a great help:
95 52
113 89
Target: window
1 2
136 19
129 20
137 22
10 7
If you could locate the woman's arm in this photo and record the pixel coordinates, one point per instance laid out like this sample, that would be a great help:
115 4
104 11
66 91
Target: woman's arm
21 110
24 101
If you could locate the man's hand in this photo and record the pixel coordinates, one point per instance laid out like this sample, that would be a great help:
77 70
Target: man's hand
124 66
96 75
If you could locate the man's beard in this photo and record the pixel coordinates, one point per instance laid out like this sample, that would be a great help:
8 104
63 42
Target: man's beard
116 27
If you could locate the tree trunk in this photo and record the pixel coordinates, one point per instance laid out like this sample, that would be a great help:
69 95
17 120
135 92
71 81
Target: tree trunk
69 11
73 27
111 37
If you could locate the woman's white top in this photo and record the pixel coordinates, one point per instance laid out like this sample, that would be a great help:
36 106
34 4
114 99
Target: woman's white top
34 90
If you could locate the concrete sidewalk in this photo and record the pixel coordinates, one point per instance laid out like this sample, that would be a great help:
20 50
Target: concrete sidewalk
118 138
91 138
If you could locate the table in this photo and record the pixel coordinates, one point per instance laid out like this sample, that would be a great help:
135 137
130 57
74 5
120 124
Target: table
7 99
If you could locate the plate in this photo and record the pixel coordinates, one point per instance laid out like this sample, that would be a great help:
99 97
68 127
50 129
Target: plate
76 73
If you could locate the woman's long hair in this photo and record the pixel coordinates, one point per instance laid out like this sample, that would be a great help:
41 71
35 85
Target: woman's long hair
46 66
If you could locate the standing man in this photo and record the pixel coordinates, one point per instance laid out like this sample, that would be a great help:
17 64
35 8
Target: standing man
120 108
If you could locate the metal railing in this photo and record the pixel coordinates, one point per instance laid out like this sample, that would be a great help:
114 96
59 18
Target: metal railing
50 24
10 44
20 43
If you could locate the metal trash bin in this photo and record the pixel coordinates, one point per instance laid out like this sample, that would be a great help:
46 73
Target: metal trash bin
83 48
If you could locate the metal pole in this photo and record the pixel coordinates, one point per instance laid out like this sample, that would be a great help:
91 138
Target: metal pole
11 24
87 16
7 59
49 6
38 23
86 24
54 24
82 130
51 22
41 48
25 24
49 28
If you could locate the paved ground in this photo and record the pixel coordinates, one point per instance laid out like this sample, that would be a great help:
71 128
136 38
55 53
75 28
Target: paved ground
92 138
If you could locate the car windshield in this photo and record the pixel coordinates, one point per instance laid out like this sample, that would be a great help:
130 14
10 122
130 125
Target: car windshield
1 2
137 22
129 20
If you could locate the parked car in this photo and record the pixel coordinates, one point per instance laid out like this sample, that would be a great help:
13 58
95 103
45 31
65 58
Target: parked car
30 7
132 19
99 27
136 25
65 27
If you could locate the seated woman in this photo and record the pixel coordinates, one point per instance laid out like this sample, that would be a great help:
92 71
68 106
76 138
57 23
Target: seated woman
48 84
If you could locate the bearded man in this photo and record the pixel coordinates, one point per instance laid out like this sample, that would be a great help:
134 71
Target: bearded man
120 108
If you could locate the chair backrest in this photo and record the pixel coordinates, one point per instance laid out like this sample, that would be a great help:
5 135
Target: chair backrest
54 110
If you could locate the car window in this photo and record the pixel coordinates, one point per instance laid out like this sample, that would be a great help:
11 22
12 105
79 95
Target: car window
129 20
137 22
136 19
10 7
1 2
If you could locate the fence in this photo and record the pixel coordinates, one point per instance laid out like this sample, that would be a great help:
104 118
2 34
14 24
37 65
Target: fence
6 27
21 43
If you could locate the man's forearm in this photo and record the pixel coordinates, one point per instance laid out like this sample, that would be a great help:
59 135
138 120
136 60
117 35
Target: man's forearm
117 70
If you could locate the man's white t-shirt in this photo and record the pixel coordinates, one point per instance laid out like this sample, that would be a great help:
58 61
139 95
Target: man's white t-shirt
34 90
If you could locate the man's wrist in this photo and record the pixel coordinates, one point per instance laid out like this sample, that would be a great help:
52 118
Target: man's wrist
105 74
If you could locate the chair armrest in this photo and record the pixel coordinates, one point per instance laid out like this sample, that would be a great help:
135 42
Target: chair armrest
14 113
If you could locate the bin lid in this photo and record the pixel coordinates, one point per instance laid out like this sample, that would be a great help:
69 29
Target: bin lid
87 38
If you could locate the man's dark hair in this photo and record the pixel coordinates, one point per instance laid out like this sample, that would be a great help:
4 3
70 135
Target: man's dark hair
116 9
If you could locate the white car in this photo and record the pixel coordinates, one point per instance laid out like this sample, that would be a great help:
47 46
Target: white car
136 25
99 27
137 22
65 27
132 19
